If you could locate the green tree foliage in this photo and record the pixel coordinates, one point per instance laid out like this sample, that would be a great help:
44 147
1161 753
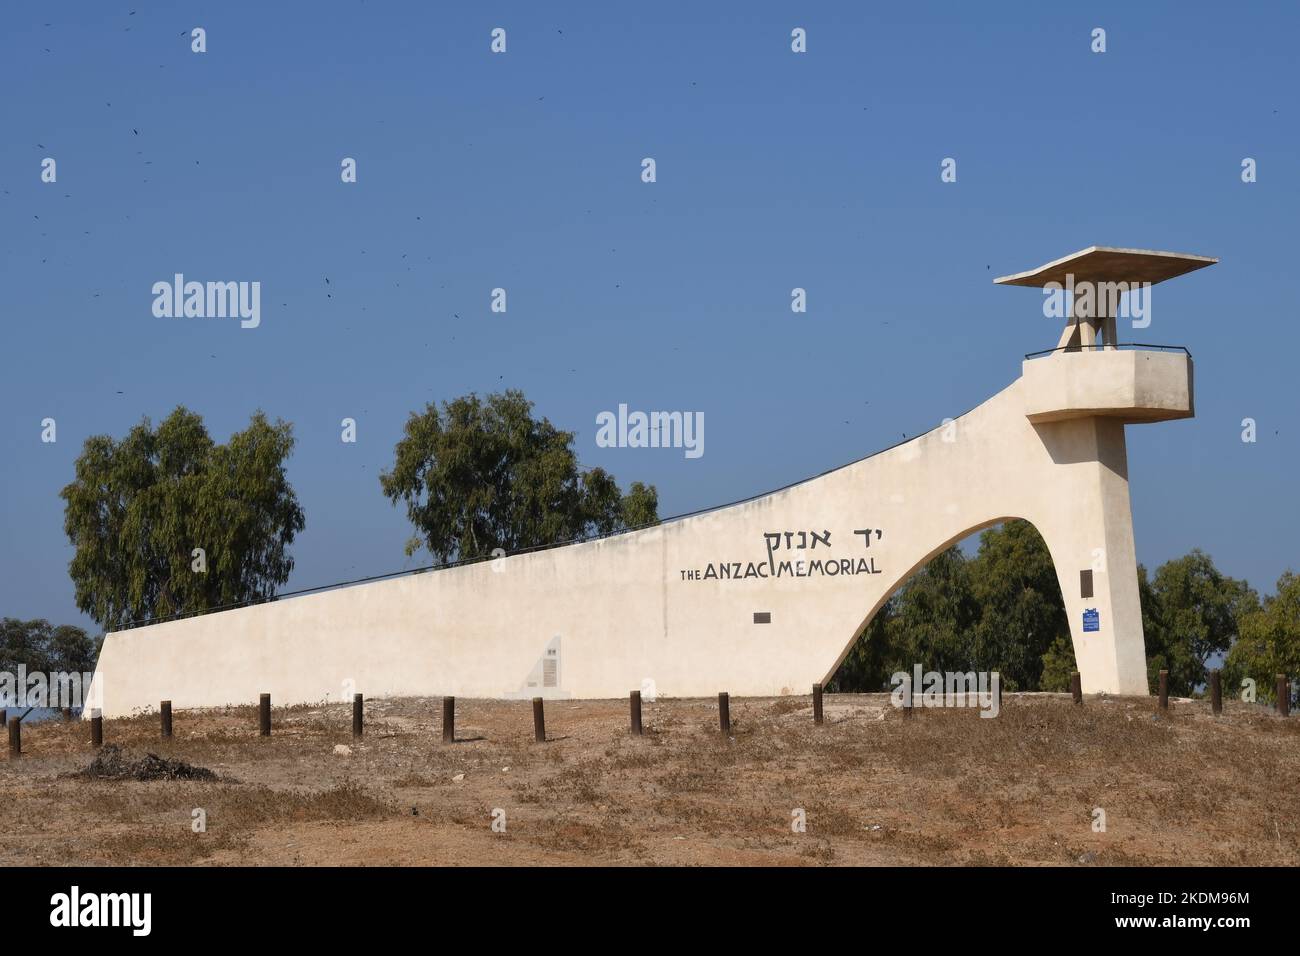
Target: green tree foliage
481 474
867 665
928 620
1268 643
1190 611
1020 610
40 646
1058 665
140 506
1002 610
639 508
998 611
934 615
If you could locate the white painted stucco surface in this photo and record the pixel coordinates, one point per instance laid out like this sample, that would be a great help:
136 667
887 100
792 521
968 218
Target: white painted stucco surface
628 609
1130 385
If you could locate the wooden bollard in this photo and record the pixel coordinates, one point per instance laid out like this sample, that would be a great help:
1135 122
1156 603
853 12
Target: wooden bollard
634 704
724 712
4 717
67 713
165 709
817 704
539 721
1283 696
358 715
1076 687
15 737
97 731
1216 693
1164 690
449 720
264 715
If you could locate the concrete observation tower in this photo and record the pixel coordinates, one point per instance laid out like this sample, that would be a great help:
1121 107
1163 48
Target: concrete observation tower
1078 397
761 598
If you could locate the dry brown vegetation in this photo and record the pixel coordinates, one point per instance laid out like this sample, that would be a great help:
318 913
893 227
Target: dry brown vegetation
944 787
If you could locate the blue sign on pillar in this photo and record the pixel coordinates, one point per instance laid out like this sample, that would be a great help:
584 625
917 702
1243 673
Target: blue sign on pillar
1091 619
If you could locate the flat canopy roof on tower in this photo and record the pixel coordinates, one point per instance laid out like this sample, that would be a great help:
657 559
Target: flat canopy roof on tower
1107 264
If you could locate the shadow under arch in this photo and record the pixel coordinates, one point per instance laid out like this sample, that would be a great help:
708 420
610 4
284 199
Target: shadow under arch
901 579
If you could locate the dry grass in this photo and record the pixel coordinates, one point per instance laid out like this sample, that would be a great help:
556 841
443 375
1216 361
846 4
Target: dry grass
944 787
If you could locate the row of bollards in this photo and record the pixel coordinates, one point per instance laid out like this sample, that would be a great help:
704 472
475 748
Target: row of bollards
1282 692
448 718
724 707
14 724
165 715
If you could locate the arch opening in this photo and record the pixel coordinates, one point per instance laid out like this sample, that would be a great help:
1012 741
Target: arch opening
993 606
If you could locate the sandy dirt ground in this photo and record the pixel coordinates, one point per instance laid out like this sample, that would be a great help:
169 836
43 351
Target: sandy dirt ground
941 788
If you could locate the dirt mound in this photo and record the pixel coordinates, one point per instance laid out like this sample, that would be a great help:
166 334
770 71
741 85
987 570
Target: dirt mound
113 763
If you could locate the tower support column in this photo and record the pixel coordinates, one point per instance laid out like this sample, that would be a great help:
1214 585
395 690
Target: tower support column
1090 535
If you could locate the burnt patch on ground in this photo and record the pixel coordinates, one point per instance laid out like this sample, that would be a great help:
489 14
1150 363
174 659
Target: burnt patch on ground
114 763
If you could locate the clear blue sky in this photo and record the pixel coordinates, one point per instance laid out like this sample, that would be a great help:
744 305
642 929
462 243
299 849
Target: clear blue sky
522 170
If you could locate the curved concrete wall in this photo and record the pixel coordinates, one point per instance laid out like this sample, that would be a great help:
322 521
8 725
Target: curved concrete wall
679 604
